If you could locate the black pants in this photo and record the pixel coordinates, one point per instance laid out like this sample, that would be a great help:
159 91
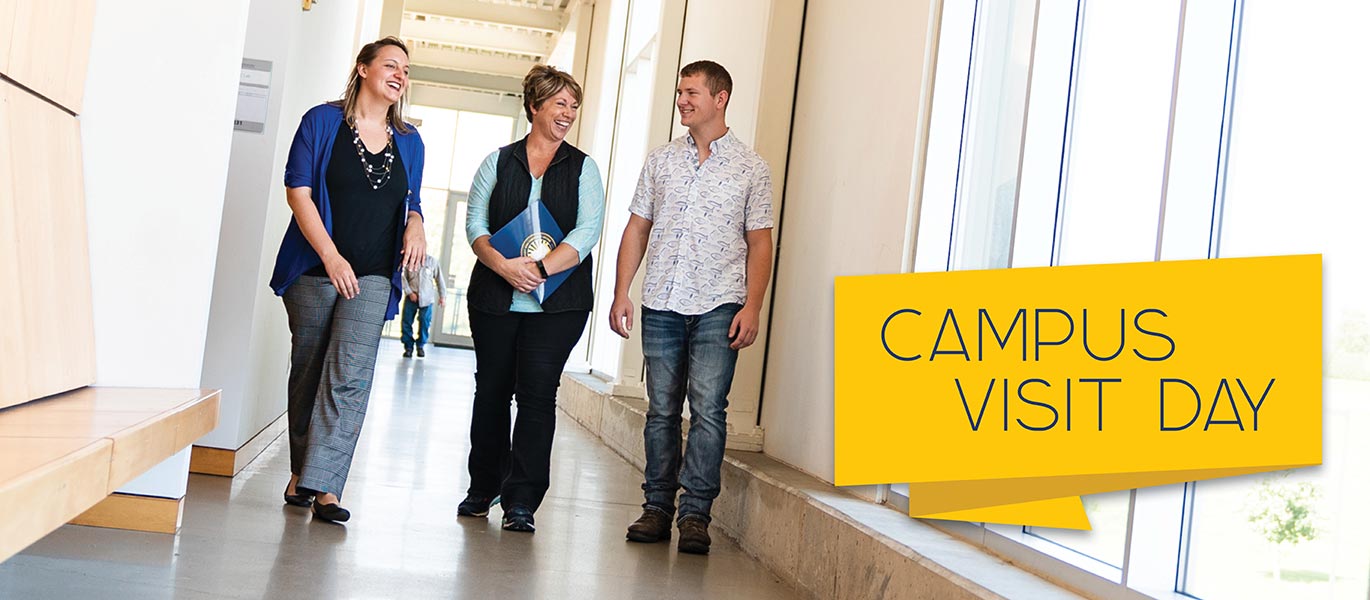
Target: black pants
519 356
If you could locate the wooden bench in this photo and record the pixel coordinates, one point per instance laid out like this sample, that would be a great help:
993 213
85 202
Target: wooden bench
62 455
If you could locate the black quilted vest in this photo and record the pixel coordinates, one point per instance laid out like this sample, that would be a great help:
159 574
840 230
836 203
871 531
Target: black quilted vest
490 293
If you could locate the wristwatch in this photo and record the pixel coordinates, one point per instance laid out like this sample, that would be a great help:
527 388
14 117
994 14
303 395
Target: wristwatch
542 269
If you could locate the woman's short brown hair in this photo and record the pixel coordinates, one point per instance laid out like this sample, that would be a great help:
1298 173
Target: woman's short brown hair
543 82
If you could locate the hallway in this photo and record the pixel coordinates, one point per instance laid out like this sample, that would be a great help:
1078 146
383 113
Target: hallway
238 540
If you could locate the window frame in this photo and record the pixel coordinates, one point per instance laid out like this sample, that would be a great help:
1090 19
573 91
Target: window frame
1165 511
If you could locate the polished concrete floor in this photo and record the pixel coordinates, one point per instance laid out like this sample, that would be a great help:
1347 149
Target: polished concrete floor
238 540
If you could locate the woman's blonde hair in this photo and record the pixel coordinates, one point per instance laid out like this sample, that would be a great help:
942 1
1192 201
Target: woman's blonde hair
395 115
543 82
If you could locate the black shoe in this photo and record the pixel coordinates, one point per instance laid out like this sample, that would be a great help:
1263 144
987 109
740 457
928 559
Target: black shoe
331 512
694 535
301 497
518 518
408 352
421 355
476 506
653 526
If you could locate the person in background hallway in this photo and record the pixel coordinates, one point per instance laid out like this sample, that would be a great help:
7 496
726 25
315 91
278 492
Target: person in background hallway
521 346
705 194
352 180
422 287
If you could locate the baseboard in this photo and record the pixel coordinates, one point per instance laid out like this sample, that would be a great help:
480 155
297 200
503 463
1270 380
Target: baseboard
228 463
212 461
135 513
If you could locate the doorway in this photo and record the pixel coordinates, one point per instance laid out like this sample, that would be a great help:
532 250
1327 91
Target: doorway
457 137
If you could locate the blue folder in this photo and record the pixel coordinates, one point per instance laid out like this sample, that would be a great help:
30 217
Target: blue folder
532 233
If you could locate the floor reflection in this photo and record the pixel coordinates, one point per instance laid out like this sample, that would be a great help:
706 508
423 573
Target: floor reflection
238 540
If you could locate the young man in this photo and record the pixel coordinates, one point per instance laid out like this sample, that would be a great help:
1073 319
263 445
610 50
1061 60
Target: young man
422 287
702 216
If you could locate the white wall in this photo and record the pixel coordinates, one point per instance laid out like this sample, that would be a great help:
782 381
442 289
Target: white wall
156 136
851 164
249 186
249 344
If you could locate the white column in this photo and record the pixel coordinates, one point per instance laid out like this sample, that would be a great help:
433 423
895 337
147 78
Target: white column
392 12
852 160
154 177
247 353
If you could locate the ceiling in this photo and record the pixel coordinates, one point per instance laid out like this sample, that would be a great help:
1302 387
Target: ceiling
480 44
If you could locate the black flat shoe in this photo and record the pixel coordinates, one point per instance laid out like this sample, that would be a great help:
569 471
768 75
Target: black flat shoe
518 518
331 512
476 506
304 500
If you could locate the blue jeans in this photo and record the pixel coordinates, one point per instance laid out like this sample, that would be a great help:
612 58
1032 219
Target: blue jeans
686 355
425 314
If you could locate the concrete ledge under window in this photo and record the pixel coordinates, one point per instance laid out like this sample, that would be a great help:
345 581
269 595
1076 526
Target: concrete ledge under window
825 541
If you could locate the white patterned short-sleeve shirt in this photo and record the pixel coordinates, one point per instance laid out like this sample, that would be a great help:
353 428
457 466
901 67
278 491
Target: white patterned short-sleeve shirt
700 214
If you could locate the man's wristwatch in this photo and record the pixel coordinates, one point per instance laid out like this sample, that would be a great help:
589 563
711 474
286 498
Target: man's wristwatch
542 269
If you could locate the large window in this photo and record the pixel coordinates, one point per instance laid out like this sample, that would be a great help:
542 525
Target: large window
1044 136
1306 533
455 143
1118 143
991 134
1110 195
1082 132
636 102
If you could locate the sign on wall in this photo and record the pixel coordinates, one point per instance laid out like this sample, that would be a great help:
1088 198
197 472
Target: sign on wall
254 88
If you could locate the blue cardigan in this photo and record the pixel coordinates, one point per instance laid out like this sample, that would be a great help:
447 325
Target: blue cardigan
305 167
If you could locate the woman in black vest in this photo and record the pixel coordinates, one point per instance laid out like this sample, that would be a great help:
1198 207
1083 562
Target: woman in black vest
521 344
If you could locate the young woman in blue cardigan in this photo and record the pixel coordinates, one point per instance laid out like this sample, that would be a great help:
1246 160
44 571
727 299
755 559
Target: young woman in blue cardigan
352 181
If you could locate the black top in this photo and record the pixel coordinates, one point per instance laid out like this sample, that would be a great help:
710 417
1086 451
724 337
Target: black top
366 221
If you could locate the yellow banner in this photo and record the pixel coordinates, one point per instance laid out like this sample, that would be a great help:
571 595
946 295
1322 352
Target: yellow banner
1001 395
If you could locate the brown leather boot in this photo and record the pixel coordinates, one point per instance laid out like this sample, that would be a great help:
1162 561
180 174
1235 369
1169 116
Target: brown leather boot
694 535
653 526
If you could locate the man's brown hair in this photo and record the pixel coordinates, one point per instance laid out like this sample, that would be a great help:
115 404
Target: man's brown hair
715 76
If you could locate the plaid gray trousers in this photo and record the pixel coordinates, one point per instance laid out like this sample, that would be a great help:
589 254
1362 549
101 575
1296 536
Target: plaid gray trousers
333 343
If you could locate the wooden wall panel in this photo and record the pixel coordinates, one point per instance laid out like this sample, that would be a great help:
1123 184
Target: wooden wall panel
13 372
49 47
7 12
49 248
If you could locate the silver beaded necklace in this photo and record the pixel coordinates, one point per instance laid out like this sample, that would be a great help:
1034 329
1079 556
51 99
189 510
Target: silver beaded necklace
376 175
